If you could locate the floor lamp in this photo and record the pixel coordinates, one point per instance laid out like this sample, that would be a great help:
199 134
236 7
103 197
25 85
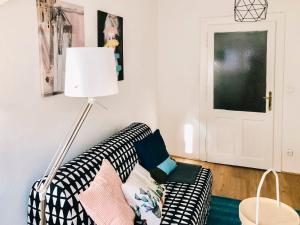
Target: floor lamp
90 73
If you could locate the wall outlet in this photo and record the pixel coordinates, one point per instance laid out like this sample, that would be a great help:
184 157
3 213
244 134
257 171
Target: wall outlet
290 152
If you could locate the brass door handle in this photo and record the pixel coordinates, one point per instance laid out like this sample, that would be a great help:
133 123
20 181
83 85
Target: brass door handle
270 99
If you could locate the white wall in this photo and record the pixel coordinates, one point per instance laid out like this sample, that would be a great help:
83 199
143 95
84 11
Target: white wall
179 71
32 127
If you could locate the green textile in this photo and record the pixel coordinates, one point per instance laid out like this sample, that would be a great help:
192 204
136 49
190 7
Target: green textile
224 211
184 173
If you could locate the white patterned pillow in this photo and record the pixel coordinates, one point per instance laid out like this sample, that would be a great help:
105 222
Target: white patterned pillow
144 195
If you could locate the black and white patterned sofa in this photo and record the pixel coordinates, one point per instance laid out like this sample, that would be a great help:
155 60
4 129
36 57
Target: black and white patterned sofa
184 204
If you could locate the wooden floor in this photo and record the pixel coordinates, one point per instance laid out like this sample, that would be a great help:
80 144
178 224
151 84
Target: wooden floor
241 183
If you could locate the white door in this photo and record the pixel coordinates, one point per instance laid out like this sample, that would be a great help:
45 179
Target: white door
240 88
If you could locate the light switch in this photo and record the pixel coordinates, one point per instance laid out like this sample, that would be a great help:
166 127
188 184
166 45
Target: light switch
290 89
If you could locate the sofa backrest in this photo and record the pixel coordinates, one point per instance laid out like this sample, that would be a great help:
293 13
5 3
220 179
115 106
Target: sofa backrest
62 204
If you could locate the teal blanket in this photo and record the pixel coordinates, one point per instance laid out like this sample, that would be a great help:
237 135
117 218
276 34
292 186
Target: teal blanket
224 211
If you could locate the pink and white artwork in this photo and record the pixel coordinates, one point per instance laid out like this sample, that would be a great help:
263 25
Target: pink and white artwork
60 25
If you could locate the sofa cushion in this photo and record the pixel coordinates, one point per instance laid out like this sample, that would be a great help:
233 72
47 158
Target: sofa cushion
144 195
151 150
104 200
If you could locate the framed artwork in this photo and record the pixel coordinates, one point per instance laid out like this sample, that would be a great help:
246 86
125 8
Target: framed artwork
60 25
110 34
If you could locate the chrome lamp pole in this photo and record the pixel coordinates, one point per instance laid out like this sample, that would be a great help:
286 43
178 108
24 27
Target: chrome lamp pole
90 73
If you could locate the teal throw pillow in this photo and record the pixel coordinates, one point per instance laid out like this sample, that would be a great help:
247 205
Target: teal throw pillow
167 166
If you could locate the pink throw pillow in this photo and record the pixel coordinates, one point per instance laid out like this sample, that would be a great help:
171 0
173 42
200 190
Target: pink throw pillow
104 201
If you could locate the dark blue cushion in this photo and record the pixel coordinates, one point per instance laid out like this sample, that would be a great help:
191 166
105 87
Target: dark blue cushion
151 150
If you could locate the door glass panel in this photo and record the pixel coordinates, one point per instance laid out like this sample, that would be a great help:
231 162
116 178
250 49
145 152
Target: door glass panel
240 60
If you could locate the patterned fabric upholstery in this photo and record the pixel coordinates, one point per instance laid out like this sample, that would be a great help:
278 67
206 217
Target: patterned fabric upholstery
185 204
188 203
120 151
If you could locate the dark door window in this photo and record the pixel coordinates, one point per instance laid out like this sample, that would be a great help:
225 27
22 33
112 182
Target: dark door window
240 67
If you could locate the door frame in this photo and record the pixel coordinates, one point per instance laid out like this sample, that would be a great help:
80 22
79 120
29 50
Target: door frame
279 21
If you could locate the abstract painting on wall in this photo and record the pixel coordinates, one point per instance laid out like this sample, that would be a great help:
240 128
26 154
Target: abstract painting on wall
60 25
110 34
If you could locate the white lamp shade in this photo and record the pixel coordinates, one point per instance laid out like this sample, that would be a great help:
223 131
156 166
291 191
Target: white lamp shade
90 72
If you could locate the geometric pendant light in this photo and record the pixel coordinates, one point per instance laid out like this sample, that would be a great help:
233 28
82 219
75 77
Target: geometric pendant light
250 10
